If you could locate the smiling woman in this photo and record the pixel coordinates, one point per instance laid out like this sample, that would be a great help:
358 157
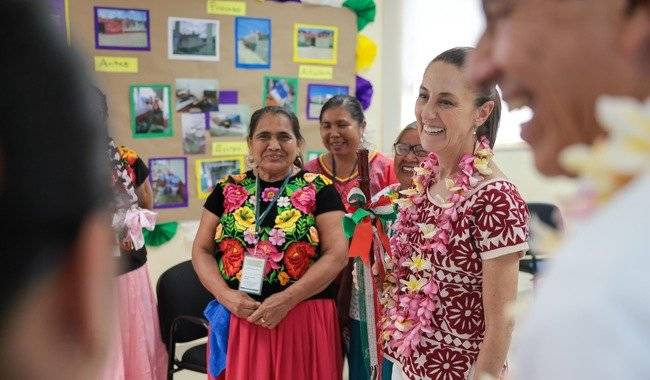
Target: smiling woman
262 251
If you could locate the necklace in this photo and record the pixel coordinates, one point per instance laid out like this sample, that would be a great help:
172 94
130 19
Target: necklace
409 303
352 174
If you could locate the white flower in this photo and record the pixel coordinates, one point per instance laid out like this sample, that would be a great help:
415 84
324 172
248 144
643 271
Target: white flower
413 284
428 230
417 263
283 202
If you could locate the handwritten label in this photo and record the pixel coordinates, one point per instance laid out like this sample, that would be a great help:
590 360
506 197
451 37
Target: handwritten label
230 8
116 64
315 72
229 148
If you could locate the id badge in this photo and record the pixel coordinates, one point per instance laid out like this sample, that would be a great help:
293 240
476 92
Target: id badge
252 275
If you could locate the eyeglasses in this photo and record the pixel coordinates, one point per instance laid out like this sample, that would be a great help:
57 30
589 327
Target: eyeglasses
404 149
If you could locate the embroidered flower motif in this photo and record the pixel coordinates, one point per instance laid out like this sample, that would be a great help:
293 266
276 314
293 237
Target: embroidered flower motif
284 202
265 250
313 235
238 276
244 218
287 219
310 177
465 313
297 258
277 237
250 236
232 257
218 233
234 197
269 193
304 199
252 199
283 277
428 230
448 364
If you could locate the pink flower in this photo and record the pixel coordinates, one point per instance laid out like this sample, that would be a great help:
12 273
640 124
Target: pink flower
277 236
250 237
269 193
234 197
265 250
304 199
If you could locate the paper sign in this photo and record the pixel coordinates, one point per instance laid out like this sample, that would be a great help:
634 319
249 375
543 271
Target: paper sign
116 64
315 72
230 8
252 275
229 148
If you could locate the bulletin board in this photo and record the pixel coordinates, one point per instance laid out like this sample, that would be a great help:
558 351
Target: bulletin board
158 68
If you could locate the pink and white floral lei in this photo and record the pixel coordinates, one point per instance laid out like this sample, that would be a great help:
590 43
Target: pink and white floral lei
410 294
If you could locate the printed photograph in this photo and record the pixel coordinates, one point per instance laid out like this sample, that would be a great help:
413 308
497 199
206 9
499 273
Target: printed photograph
210 171
169 181
193 39
252 43
231 120
281 91
318 94
315 44
122 28
193 125
150 110
197 95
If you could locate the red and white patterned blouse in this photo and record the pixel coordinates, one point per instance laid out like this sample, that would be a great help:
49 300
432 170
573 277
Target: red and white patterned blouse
491 222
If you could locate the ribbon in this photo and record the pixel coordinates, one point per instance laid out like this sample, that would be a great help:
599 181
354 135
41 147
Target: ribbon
358 225
135 220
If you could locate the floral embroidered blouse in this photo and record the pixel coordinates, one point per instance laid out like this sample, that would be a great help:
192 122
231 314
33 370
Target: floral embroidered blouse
491 222
287 237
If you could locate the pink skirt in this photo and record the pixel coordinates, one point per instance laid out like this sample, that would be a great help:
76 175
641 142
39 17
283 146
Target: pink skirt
138 352
305 345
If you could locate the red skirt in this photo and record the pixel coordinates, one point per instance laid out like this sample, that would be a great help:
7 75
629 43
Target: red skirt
304 345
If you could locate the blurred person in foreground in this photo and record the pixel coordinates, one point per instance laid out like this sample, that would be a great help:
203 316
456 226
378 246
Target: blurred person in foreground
56 241
583 68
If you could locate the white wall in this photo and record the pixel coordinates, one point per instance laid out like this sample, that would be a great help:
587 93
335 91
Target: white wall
409 34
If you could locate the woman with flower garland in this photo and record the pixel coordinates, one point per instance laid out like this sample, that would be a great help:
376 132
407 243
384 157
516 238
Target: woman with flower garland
291 221
458 239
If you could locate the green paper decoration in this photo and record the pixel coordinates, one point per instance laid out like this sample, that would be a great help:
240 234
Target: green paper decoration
161 234
365 10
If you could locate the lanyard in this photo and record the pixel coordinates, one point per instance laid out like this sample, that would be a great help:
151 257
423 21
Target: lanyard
258 199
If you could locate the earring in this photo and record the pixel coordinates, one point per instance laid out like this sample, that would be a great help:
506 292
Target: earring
250 162
475 129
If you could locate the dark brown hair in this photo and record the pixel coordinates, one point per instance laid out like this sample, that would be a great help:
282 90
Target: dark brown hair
275 110
458 56
350 103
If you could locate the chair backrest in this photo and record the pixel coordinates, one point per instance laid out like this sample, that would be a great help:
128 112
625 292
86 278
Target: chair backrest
547 213
180 292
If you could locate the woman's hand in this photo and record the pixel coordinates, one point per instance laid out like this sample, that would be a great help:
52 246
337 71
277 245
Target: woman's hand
239 303
272 311
126 245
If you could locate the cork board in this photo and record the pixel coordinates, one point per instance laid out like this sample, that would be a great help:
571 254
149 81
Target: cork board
155 67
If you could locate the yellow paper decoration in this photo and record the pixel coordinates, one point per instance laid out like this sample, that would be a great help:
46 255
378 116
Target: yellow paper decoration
366 52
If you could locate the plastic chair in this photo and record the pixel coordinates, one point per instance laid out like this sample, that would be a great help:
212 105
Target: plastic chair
181 300
549 214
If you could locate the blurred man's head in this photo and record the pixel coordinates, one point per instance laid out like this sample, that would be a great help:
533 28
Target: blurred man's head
557 57
54 239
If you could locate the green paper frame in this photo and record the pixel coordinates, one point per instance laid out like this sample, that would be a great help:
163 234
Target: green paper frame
169 131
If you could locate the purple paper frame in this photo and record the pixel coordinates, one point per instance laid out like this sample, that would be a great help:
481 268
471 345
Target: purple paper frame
310 86
186 185
96 27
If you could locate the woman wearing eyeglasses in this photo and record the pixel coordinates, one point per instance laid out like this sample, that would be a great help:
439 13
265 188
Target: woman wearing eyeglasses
408 155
